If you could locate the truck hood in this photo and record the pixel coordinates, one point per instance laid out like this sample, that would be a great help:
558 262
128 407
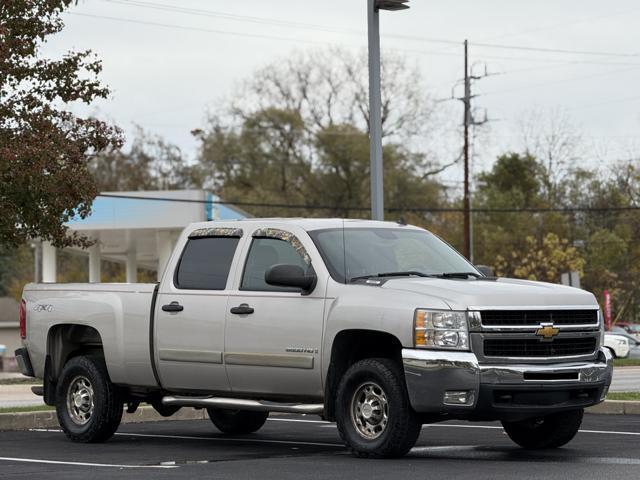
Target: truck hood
462 294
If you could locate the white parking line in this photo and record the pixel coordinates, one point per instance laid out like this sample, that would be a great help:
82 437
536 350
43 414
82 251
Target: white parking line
80 464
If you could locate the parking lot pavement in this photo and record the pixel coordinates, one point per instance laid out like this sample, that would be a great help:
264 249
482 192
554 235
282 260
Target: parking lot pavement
295 446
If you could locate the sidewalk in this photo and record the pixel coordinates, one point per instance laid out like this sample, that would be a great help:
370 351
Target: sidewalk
18 396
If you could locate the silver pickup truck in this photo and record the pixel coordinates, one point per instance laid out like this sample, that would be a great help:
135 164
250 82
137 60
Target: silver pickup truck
380 327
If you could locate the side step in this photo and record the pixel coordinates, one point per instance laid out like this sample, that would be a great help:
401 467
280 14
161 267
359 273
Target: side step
242 404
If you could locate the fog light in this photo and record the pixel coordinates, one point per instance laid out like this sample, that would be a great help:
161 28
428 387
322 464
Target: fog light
455 397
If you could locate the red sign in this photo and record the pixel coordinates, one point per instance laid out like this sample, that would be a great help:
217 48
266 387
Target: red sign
607 310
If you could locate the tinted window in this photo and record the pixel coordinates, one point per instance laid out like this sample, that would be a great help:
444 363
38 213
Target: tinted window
264 253
205 263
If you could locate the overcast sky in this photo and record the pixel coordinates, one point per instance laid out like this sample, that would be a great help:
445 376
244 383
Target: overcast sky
166 68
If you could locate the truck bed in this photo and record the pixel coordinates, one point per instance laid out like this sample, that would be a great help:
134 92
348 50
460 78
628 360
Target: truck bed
120 312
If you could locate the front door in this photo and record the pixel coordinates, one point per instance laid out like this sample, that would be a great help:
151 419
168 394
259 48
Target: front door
190 316
274 334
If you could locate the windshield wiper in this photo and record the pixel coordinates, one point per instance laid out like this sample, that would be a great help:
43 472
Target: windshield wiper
390 274
457 275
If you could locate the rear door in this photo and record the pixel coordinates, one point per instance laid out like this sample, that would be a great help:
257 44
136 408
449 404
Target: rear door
190 313
273 334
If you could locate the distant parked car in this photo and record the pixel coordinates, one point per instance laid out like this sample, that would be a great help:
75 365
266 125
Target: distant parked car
619 345
633 341
630 328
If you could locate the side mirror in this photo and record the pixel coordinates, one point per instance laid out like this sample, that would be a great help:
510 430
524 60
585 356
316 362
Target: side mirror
284 275
486 271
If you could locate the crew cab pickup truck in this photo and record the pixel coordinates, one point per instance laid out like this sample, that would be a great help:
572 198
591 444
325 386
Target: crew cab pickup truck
380 327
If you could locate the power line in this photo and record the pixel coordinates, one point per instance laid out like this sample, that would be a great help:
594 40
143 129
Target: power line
197 29
366 209
277 22
555 82
316 42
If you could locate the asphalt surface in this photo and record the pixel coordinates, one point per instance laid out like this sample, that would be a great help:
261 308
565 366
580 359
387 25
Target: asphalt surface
295 446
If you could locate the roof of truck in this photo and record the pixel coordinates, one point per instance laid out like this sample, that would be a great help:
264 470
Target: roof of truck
307 223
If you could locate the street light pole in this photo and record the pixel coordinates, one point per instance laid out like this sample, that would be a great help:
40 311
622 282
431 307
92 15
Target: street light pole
375 102
375 114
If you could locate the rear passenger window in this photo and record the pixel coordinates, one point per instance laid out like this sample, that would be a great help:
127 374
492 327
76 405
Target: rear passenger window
205 263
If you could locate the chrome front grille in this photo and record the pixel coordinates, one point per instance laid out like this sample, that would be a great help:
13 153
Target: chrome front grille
507 336
532 347
493 318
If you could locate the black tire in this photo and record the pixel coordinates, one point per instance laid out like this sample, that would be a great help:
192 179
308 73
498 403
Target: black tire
237 421
551 431
374 381
103 420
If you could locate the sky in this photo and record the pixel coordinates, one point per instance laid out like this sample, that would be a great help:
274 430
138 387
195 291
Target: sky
577 58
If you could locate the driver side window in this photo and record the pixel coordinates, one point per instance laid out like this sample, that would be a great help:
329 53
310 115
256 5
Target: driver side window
263 254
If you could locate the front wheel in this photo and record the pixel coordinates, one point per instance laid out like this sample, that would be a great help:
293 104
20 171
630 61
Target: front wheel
373 412
88 405
551 431
237 421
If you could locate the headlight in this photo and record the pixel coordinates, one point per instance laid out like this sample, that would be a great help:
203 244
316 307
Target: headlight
443 329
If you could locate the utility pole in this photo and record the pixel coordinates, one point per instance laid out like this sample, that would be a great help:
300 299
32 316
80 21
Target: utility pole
375 101
468 122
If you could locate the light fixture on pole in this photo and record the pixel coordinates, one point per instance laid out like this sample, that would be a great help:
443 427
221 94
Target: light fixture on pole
375 101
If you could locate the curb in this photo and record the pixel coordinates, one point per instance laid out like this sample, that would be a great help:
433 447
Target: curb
616 407
48 418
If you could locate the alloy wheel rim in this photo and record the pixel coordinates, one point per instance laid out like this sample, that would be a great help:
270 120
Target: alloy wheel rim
370 410
80 400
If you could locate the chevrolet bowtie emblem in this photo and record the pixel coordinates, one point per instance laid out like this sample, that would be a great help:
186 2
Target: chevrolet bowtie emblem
547 331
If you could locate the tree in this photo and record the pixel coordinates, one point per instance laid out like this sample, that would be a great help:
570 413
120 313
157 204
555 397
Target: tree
330 87
150 163
544 261
553 139
44 149
296 134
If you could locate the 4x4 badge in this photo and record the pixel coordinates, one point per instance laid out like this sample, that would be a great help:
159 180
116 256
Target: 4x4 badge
547 331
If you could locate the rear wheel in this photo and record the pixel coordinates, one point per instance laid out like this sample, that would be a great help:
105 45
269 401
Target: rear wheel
237 421
373 412
88 405
551 431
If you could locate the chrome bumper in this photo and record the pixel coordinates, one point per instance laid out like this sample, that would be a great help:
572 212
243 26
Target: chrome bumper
496 391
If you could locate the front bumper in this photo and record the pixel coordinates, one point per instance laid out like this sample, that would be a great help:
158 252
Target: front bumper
501 391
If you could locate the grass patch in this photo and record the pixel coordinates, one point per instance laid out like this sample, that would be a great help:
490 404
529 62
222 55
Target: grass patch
626 362
624 396
33 408
20 381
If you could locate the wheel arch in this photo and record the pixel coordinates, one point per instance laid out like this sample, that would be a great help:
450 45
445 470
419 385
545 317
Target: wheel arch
64 342
350 346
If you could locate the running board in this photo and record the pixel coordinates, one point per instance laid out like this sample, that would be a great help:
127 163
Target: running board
242 404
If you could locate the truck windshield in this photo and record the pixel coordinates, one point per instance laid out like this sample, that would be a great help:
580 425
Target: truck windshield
353 253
